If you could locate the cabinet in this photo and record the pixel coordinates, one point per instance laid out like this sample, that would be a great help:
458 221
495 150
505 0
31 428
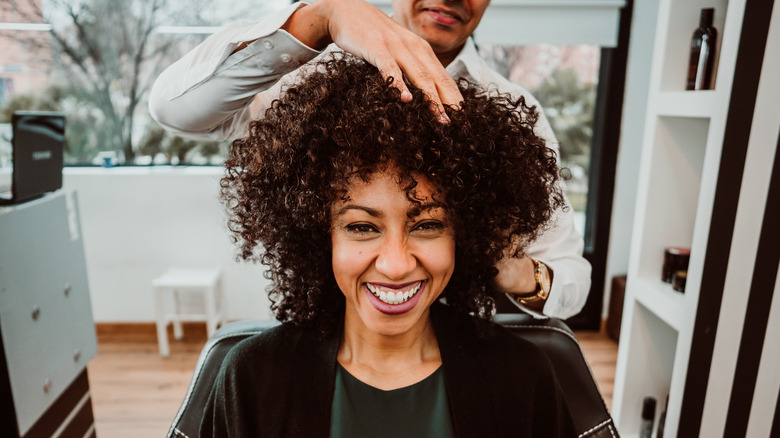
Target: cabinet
680 158
47 335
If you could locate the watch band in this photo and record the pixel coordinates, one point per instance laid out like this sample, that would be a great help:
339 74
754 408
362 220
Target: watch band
542 290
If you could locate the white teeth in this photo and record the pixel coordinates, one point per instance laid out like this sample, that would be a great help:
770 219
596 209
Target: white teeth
391 297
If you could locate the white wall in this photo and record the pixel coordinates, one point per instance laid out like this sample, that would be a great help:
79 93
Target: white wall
631 133
136 222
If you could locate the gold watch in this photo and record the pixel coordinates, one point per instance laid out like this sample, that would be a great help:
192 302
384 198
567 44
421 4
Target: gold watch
541 274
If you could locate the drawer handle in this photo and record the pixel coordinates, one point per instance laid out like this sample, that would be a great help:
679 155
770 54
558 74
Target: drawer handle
36 312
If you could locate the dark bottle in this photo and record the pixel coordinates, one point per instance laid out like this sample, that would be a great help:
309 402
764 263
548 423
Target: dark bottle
702 53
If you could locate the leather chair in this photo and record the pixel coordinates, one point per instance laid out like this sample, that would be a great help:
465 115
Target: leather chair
589 413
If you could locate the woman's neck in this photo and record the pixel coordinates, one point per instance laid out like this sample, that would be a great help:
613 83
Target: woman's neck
388 362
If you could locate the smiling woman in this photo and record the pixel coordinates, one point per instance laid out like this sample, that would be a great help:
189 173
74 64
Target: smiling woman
381 228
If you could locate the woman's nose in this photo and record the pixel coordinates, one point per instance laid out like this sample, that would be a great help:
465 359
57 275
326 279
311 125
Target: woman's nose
395 260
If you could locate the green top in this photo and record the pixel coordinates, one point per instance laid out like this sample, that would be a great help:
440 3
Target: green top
419 410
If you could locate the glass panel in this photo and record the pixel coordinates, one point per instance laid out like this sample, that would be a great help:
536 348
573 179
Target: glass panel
564 79
96 65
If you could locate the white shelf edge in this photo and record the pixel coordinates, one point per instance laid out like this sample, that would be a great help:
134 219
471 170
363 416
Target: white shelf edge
660 299
700 104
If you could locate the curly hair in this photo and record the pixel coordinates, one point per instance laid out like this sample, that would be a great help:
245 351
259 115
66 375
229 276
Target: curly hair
497 179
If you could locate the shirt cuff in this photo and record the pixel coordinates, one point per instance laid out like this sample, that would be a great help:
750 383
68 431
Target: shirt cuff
564 293
201 64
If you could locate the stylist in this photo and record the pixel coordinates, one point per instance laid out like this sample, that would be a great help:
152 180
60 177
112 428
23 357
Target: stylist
215 90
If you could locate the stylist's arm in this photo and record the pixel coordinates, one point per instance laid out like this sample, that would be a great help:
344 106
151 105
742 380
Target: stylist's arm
365 31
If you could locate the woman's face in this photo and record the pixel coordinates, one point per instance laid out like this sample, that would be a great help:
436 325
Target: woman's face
391 267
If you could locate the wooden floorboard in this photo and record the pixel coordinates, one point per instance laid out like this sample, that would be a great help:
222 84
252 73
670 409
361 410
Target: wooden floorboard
135 392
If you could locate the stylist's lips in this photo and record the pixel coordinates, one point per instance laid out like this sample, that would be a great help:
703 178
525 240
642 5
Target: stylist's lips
394 299
443 16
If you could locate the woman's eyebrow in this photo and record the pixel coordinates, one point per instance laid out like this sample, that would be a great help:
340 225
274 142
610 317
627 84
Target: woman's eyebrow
376 213
431 205
372 212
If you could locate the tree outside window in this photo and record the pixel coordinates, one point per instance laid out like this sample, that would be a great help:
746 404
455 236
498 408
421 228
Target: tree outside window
564 80
97 62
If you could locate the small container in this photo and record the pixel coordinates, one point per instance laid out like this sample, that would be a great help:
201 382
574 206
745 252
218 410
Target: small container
675 259
648 417
678 280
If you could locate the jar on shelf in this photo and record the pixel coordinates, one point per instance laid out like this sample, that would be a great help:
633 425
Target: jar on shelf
675 259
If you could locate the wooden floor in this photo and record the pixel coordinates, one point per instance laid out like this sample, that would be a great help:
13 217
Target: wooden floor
136 393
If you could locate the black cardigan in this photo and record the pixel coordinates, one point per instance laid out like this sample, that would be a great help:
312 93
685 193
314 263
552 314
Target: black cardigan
280 384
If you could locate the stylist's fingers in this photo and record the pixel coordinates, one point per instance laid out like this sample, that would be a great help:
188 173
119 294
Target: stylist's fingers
418 64
402 63
388 68
365 31
440 88
423 80
446 88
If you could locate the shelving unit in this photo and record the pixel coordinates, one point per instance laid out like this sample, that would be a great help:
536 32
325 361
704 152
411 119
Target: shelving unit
687 104
680 157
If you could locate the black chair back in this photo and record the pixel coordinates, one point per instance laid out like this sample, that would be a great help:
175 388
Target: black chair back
589 413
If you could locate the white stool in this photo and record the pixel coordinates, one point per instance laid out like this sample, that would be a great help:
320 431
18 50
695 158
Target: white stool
205 281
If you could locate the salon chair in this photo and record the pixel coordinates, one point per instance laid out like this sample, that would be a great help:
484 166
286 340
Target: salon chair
589 413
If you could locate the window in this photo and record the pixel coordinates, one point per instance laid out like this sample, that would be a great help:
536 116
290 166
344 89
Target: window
564 79
571 55
95 60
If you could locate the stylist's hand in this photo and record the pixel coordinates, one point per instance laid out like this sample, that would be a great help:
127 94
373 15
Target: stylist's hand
515 275
367 32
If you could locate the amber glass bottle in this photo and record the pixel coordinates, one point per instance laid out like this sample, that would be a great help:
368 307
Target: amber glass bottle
702 53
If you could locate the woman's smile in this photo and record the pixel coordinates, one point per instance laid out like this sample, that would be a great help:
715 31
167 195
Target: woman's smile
395 300
394 294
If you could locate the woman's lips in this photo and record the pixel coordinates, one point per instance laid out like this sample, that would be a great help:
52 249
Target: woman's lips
443 17
403 299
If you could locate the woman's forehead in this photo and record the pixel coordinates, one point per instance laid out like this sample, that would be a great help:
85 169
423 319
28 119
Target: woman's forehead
387 189
391 179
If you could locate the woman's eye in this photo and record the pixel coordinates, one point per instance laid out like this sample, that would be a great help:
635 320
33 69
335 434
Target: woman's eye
361 228
429 226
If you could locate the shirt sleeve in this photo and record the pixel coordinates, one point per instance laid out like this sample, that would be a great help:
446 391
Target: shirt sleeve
212 93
